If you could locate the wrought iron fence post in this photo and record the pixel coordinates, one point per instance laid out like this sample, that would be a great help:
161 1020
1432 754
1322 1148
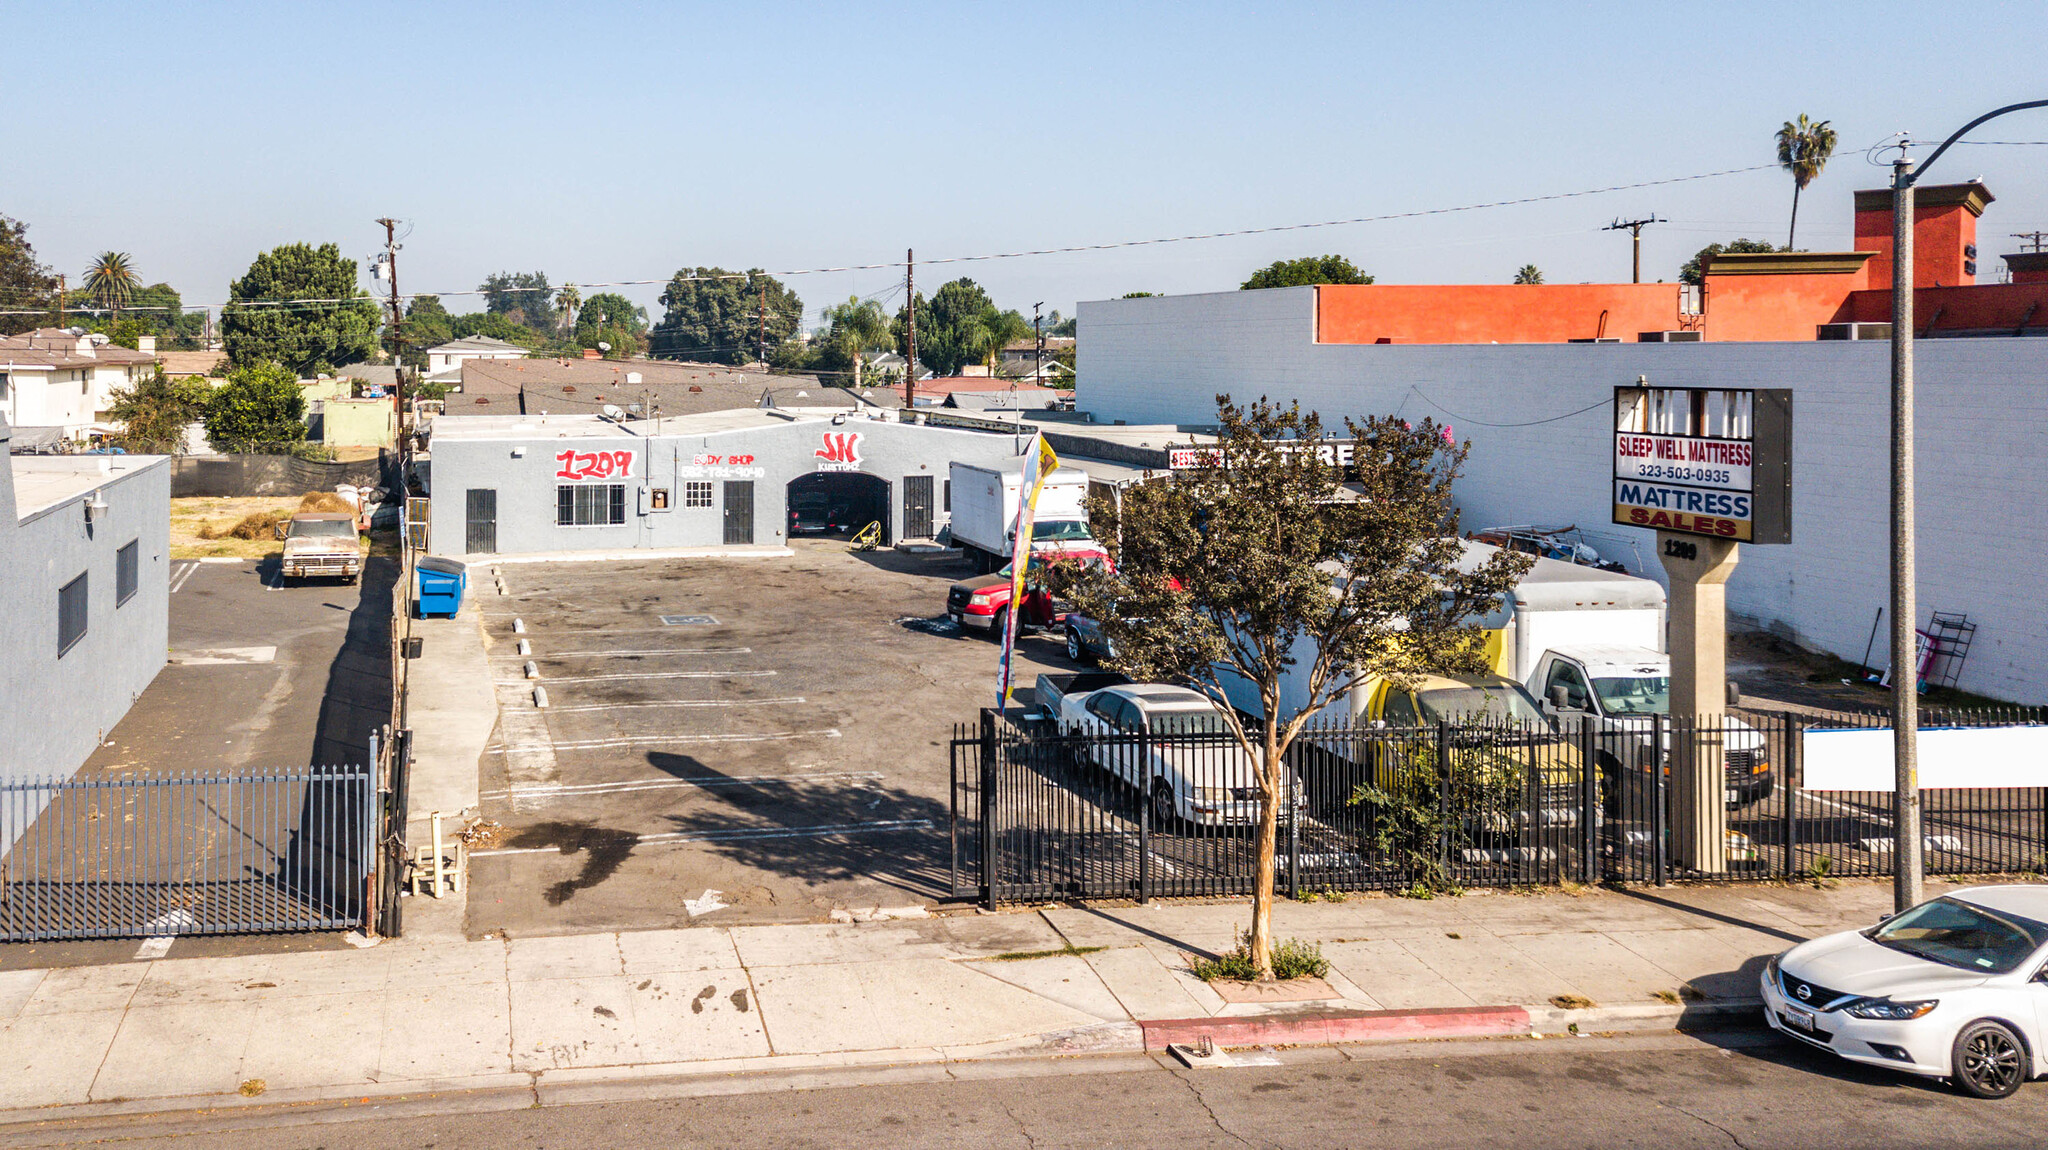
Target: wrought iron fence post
989 776
1293 836
1589 806
1659 755
1145 830
1792 769
1443 794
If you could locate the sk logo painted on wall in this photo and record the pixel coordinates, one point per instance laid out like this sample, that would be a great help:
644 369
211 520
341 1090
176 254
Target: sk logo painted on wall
841 451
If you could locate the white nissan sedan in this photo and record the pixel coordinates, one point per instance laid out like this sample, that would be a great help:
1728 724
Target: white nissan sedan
1954 988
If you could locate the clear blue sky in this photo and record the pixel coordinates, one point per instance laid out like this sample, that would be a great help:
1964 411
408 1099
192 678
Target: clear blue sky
604 142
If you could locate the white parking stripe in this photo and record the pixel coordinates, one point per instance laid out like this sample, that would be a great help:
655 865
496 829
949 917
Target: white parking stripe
785 701
658 675
181 574
654 740
680 837
581 789
637 654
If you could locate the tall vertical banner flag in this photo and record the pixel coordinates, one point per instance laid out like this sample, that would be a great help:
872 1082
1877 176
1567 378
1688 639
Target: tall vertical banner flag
1039 464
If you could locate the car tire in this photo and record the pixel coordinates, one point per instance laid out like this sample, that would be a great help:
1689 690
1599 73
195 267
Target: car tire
1989 1061
1074 649
996 623
1165 817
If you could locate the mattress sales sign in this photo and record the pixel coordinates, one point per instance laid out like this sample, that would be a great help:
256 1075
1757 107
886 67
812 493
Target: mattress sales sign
1704 461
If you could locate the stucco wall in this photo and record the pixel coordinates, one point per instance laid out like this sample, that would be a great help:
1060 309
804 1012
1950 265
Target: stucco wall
57 709
774 455
1983 465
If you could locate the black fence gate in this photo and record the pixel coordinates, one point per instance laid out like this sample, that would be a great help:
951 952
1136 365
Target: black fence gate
136 857
1039 815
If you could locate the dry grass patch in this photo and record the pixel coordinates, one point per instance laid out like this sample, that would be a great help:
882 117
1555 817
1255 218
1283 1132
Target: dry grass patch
204 527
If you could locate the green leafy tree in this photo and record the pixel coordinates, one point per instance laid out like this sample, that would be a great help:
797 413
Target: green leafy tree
1306 271
156 411
337 325
495 326
1150 294
111 281
24 283
1694 270
522 297
1804 147
716 316
611 318
961 325
1062 327
1529 274
1263 568
427 324
260 406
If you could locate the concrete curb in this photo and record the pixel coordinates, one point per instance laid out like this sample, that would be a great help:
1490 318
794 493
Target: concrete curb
1321 1027
759 552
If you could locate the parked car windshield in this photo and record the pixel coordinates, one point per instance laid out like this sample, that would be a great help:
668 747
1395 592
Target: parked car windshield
1501 703
323 529
1207 722
1059 530
1955 933
1634 694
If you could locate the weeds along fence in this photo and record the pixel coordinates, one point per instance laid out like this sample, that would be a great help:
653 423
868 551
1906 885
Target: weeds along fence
1115 814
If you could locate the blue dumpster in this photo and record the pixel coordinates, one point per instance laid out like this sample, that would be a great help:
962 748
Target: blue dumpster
438 585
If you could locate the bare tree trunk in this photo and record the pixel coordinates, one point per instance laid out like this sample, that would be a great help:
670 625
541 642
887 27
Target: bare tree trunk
1260 945
1794 230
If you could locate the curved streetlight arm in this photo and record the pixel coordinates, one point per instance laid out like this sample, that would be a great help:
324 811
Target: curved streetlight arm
1913 177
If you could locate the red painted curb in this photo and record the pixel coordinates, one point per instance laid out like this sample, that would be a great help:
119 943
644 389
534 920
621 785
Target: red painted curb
1312 1027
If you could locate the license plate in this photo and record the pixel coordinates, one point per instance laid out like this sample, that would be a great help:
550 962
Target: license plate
1800 1019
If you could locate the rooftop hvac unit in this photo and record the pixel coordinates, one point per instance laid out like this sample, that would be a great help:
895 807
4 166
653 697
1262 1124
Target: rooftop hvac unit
1667 337
1853 331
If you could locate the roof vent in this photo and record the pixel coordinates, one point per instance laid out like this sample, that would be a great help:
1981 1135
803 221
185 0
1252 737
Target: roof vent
483 399
694 387
569 389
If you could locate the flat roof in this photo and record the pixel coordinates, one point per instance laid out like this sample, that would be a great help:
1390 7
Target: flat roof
45 481
471 428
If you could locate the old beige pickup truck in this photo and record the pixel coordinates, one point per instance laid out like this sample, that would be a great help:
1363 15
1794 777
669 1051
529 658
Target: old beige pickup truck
322 543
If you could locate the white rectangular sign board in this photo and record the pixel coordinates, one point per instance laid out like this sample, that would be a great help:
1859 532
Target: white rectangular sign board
1951 758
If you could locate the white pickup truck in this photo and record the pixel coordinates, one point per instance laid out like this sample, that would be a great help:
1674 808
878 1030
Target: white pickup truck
1199 776
1618 689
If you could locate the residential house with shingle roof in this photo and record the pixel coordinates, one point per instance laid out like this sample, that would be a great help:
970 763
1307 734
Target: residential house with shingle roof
57 383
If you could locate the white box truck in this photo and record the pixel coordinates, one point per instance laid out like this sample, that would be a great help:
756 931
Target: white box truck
985 502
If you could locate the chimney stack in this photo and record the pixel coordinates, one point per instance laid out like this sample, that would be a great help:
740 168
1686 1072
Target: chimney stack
592 353
1944 234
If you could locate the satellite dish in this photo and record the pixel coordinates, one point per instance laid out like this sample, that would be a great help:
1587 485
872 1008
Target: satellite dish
603 346
611 411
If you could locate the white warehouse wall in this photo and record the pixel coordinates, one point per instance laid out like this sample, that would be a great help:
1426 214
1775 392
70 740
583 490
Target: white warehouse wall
1983 457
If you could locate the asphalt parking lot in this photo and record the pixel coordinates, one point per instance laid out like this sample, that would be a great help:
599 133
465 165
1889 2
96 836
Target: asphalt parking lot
262 676
782 740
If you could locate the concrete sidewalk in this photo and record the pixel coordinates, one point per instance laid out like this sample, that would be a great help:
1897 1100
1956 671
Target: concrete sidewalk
555 1015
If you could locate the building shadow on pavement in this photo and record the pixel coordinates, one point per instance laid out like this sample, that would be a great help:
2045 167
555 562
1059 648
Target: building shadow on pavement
819 830
357 698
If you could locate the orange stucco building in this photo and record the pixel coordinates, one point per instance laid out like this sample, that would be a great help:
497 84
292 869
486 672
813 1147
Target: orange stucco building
1747 297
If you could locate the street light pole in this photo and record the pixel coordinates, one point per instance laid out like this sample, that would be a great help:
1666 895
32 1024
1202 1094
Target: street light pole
1906 841
1905 654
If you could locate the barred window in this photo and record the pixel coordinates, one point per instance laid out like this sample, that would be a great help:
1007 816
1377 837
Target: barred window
696 495
70 614
590 505
127 572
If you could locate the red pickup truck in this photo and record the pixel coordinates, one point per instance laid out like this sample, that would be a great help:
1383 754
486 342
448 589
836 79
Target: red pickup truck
983 602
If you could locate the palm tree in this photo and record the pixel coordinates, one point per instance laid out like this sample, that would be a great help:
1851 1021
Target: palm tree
1530 274
567 300
110 281
992 331
855 327
1803 150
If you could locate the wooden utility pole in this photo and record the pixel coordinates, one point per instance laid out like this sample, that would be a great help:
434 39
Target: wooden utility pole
1635 231
60 301
397 314
1038 352
910 337
764 325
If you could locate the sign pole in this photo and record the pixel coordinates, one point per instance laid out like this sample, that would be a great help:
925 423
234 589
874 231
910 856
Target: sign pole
1906 887
1699 568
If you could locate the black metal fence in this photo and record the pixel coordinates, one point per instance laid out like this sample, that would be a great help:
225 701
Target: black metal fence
1040 815
138 857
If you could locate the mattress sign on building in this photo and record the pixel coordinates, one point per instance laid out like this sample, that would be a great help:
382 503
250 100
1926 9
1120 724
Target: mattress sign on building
1704 461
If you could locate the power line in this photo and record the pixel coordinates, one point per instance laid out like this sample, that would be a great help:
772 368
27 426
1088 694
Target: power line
1483 423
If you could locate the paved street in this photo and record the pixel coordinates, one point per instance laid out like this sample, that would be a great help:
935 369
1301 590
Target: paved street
781 739
1667 1091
